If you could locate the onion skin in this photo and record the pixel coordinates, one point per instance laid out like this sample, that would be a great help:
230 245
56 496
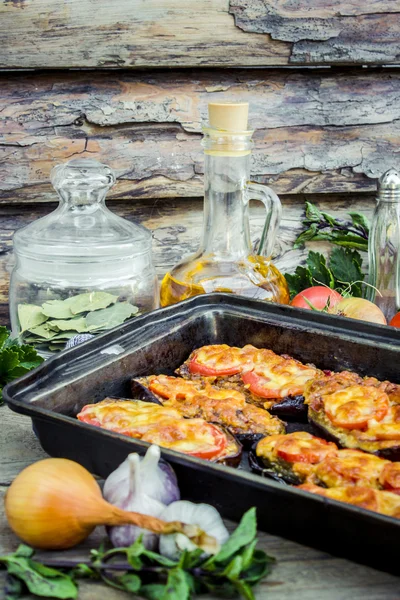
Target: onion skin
56 503
360 309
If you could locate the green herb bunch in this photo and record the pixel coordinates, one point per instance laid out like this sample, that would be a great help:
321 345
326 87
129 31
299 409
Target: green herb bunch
236 569
322 226
15 359
343 271
53 323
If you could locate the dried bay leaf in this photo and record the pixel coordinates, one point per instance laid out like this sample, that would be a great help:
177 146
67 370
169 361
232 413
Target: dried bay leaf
57 309
76 324
30 315
43 331
111 316
90 302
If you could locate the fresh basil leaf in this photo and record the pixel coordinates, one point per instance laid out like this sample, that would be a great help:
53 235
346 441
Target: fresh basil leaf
260 566
244 534
330 220
313 214
319 271
233 569
83 570
347 240
13 588
247 554
130 582
244 590
360 220
110 317
24 550
153 591
90 301
306 236
30 315
159 559
134 552
178 586
40 580
345 265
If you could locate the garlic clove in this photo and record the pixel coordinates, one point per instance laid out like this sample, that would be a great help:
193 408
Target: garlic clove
202 515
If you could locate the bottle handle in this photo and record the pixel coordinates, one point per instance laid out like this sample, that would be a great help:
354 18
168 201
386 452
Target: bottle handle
273 206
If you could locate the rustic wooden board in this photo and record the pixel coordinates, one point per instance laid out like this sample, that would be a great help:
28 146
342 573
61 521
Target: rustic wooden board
302 573
177 225
326 31
316 131
150 33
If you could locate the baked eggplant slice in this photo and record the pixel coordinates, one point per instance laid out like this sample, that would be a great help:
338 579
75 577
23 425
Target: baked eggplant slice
165 427
356 413
290 458
269 380
228 408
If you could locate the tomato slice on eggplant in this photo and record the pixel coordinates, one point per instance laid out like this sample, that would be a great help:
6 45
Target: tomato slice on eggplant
216 360
354 406
306 450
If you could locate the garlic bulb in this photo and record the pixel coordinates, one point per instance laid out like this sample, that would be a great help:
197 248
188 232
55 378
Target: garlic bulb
205 515
157 479
141 486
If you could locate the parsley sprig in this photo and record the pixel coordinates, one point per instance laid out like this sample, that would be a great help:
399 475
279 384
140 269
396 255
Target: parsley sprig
15 359
235 570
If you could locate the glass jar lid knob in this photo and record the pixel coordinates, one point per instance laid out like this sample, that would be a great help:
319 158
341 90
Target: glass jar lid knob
82 174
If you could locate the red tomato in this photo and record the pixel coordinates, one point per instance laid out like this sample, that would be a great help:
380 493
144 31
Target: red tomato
194 437
305 448
256 384
216 360
354 410
390 478
318 296
395 322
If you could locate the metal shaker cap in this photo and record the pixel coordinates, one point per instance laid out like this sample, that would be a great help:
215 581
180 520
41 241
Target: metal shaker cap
389 186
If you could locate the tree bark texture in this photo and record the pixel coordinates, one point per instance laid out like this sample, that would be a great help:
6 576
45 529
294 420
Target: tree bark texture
319 131
172 33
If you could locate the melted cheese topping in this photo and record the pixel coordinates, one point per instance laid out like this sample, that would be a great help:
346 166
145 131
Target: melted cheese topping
156 424
284 374
350 467
355 405
379 501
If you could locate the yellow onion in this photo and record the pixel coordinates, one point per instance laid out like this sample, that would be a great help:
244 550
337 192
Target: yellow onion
56 503
359 308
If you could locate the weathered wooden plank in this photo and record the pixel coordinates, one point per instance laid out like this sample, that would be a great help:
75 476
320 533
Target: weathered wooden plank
177 225
301 572
138 33
316 131
150 33
326 31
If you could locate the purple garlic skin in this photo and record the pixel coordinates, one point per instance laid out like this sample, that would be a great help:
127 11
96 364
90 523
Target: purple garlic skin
140 485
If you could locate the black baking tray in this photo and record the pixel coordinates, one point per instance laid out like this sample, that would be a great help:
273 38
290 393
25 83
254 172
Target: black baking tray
159 342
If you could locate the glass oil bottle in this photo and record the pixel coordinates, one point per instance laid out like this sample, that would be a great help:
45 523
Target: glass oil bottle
225 261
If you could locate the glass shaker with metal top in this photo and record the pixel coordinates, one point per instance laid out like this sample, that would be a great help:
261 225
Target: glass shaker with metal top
384 246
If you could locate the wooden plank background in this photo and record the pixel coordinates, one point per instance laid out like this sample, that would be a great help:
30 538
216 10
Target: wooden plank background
315 131
153 33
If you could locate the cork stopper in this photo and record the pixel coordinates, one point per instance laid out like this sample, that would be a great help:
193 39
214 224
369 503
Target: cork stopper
228 116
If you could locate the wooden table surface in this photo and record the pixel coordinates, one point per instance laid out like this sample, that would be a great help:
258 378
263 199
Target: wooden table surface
301 573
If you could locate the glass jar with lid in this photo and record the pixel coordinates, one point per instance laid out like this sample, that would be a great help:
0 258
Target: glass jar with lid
80 269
